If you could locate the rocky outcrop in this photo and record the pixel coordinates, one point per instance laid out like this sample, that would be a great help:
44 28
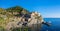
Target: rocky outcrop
17 17
34 21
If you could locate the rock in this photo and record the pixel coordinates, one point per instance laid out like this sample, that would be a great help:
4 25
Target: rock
17 17
32 22
35 22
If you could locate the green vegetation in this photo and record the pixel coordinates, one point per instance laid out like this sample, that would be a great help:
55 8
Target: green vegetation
15 9
20 29
2 28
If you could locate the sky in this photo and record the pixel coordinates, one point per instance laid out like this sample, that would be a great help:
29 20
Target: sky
47 8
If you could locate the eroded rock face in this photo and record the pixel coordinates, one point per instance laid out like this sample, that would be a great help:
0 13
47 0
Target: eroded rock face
33 21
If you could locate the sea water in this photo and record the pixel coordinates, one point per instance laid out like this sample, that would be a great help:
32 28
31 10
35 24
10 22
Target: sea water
55 24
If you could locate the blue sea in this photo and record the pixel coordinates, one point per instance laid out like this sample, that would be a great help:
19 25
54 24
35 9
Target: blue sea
55 24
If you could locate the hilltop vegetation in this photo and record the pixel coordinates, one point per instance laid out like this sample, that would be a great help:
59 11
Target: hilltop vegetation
15 9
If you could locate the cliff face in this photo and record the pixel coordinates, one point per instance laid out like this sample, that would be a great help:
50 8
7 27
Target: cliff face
34 21
15 17
10 14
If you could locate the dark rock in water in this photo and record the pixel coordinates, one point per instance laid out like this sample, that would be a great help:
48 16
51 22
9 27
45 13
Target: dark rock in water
46 23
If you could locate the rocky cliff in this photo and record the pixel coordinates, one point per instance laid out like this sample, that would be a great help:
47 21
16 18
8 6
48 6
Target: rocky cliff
17 16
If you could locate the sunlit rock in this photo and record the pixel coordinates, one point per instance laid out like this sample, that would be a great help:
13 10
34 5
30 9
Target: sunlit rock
33 22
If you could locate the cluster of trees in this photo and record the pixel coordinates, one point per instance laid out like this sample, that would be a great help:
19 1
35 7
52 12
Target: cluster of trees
15 9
